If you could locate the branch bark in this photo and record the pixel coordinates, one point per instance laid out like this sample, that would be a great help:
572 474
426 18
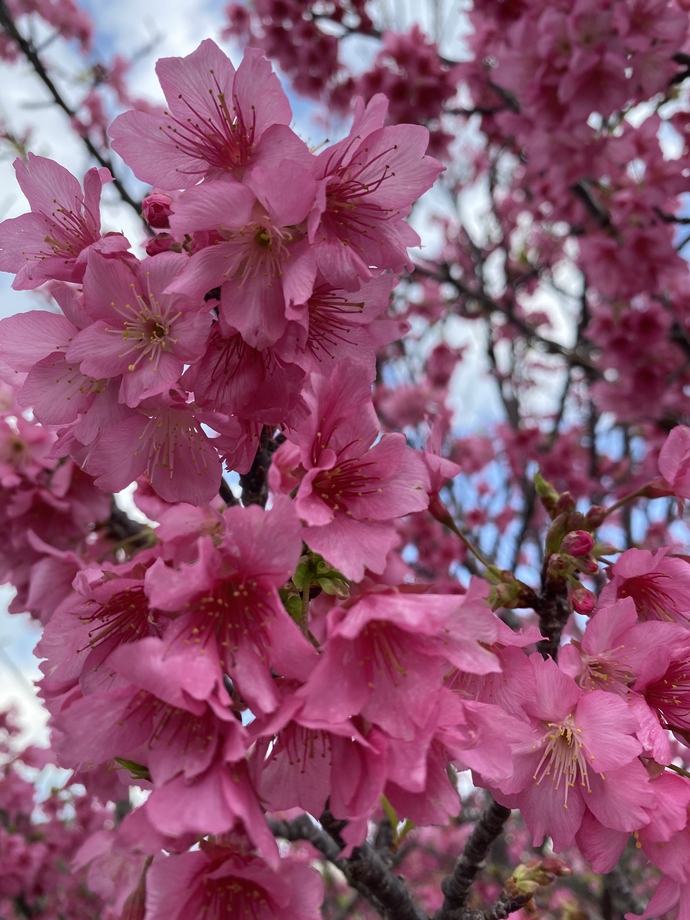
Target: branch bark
456 887
365 870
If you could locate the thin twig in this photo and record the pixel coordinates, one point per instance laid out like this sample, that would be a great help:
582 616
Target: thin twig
8 25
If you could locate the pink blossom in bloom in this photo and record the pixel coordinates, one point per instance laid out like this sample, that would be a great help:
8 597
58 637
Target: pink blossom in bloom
229 606
64 226
614 646
368 183
658 584
216 120
303 762
664 681
351 489
260 257
172 715
246 382
103 613
338 325
169 445
27 338
665 838
225 879
579 753
34 347
137 332
213 802
387 654
671 899
465 733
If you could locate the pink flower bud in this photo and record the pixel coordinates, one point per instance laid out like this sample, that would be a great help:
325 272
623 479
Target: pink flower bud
577 543
582 599
162 242
156 209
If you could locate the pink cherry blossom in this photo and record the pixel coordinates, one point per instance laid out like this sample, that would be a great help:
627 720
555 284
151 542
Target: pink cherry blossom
64 226
245 381
352 488
169 445
215 121
260 257
224 878
367 185
228 602
138 333
579 754
658 584
387 657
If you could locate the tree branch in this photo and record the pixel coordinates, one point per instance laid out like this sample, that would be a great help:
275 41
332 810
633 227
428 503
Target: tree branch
488 305
456 887
254 484
618 898
365 870
9 27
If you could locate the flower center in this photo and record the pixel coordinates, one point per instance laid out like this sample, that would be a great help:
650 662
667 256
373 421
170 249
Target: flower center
563 758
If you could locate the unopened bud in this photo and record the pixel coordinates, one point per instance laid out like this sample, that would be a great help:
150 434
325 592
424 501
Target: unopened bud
538 873
582 599
577 543
565 503
162 242
604 549
503 595
558 567
595 516
156 209
558 529
587 565
546 492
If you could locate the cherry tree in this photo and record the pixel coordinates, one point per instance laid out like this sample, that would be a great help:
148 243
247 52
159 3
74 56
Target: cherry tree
397 622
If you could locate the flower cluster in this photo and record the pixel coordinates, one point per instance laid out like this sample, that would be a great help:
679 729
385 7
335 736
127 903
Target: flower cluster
307 646
272 270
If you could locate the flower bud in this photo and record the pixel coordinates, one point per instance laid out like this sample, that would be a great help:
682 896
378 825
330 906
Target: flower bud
156 209
565 502
577 543
546 492
596 516
582 599
162 242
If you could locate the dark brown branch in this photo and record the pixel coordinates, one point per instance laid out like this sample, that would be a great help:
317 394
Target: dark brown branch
456 887
553 609
617 897
226 494
303 828
254 484
9 27
505 905
365 870
119 527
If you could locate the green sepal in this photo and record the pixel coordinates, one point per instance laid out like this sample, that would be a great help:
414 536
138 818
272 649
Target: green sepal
136 770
